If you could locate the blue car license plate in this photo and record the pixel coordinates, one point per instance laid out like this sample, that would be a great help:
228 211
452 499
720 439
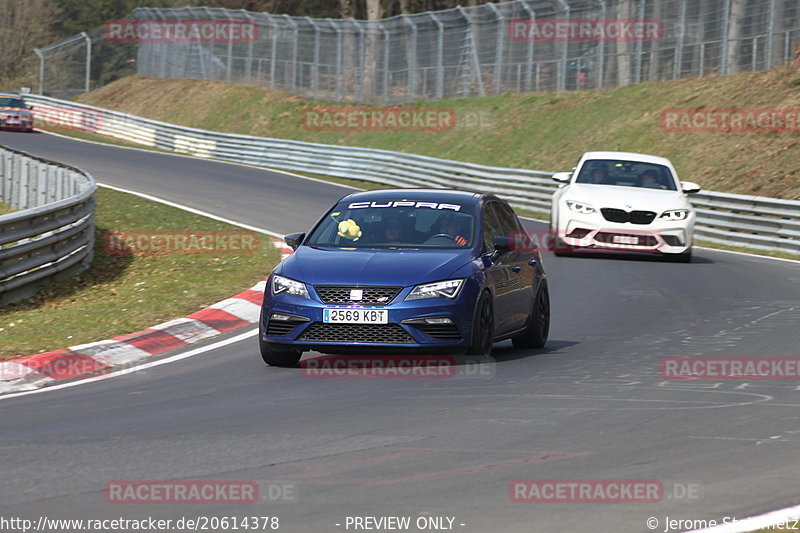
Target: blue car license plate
355 316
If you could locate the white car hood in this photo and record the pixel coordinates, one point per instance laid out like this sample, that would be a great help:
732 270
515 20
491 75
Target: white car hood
626 198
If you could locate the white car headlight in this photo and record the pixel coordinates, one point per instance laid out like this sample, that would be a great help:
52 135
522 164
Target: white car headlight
281 285
675 214
580 207
444 289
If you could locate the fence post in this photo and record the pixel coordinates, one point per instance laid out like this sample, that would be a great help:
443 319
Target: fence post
439 55
677 62
315 66
770 34
601 51
723 57
248 67
359 69
273 21
87 81
473 58
39 54
411 59
293 24
339 72
229 66
639 46
561 69
498 58
385 33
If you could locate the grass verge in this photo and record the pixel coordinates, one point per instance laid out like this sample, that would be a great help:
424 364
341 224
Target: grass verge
5 209
128 290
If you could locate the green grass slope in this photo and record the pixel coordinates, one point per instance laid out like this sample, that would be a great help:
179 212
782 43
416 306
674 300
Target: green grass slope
537 131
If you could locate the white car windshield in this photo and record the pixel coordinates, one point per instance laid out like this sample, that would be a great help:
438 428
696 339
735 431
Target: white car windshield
626 174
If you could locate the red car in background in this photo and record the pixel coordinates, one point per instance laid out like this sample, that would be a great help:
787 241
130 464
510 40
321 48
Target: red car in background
14 113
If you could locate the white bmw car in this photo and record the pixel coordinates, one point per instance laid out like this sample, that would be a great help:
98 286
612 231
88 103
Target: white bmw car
623 201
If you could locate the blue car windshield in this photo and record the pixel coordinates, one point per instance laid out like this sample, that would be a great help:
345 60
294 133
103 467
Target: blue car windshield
6 101
396 224
626 174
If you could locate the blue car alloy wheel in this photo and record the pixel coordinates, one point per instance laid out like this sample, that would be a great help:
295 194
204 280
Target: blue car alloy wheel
406 271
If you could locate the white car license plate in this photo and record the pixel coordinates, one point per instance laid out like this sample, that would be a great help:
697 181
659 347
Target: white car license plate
625 239
355 316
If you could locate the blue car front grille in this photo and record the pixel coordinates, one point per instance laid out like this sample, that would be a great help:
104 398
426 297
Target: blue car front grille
370 295
356 333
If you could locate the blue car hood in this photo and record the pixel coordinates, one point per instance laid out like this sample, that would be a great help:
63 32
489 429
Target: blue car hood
372 266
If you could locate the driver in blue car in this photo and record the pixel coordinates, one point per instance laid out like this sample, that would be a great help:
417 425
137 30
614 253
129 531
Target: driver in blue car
448 224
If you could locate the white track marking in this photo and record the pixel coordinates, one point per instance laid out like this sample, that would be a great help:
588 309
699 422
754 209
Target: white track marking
143 366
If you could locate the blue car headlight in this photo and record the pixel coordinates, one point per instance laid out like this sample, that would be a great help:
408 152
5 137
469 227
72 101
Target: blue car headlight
281 285
439 289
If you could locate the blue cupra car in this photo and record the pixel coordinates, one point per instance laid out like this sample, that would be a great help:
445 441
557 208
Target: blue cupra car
407 270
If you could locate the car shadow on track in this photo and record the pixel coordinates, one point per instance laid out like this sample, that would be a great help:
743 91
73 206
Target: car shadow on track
621 256
506 352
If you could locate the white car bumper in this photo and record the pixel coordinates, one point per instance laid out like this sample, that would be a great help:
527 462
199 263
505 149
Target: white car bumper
660 236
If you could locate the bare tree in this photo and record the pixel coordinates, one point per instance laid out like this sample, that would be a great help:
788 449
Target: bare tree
24 25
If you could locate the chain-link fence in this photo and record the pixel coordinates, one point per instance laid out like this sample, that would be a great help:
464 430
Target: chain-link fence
518 46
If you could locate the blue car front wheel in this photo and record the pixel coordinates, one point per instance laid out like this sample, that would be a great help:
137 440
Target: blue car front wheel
482 327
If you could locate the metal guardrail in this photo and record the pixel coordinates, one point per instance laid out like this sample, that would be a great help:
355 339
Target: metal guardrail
50 233
732 219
